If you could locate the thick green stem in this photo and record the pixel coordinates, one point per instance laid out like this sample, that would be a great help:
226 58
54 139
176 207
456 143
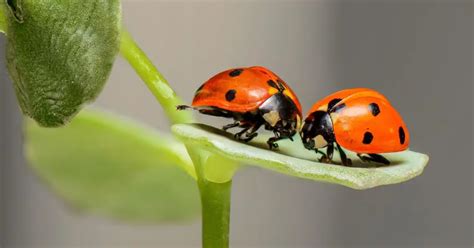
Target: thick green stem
157 84
215 200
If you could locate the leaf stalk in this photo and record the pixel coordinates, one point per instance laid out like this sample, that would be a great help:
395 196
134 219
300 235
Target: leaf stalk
153 79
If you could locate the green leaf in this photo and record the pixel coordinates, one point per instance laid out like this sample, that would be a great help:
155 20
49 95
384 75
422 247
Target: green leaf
60 54
294 160
105 165
3 18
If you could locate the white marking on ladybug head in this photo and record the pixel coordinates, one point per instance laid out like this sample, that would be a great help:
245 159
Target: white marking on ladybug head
272 117
320 142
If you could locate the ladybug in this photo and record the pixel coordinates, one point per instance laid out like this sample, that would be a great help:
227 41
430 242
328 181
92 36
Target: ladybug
360 120
253 97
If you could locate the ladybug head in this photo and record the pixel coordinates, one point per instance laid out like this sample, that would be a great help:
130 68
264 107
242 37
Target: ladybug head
317 131
281 114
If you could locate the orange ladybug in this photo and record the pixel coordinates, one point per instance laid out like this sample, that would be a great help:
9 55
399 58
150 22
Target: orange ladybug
360 120
253 97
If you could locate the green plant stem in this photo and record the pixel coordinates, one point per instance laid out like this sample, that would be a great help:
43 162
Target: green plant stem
215 197
157 84
215 201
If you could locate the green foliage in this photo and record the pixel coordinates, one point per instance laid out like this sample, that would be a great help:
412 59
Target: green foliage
3 18
294 160
106 165
60 54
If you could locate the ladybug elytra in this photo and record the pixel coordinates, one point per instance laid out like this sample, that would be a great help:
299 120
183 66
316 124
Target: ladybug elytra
253 97
360 120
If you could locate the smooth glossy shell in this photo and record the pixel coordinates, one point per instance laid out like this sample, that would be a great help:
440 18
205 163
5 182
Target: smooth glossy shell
322 105
241 90
364 122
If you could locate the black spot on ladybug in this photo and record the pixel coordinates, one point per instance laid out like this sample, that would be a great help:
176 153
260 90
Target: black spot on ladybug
236 72
338 107
368 137
281 84
333 102
272 84
374 108
230 95
401 135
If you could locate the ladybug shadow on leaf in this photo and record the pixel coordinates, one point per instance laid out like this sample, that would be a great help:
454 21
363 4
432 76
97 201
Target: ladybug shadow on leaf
296 149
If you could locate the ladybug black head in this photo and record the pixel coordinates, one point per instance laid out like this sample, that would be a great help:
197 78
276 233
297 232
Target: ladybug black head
317 131
280 114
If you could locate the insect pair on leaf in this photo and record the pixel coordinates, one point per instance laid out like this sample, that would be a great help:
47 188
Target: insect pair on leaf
360 120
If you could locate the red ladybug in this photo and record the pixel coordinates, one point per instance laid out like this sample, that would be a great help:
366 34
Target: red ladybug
360 120
253 97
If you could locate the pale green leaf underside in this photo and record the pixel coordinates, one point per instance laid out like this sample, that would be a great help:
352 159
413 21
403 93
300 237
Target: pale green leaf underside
106 165
293 159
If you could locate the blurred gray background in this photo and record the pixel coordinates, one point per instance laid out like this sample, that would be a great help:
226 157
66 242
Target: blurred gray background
418 53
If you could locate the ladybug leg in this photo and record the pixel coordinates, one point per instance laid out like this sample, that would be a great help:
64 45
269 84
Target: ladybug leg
363 158
252 133
327 158
250 136
319 152
323 158
231 125
345 161
377 158
249 131
330 151
241 132
272 141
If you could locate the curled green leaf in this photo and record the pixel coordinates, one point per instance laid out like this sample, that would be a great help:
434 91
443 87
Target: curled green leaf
294 160
15 7
60 54
105 165
3 17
